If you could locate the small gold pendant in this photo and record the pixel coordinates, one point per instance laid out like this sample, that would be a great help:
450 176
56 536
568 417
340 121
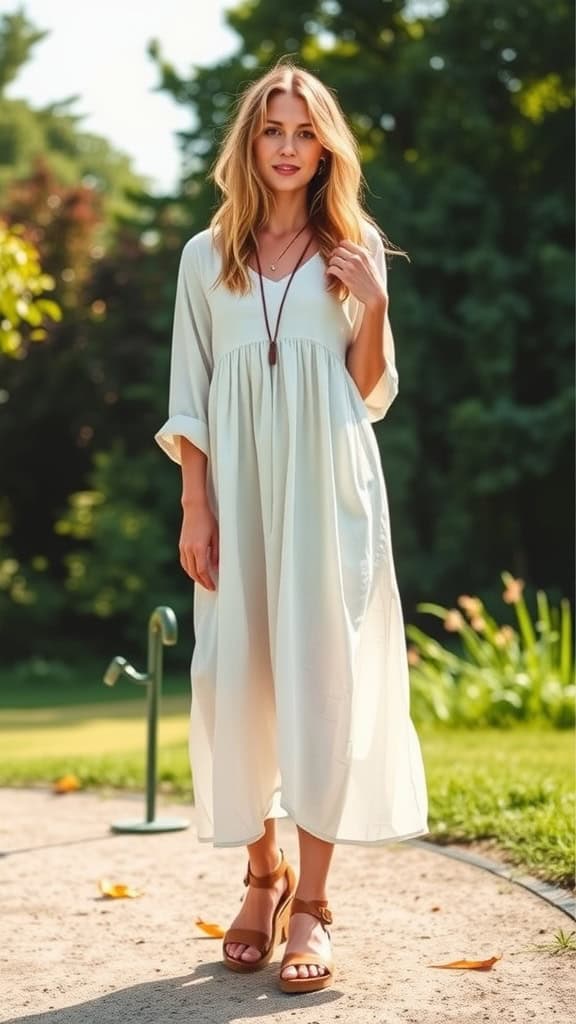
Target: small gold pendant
272 266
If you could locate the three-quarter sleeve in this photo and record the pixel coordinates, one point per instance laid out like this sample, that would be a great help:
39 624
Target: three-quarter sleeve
385 390
191 361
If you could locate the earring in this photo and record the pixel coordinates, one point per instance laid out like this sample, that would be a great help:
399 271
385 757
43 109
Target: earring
321 166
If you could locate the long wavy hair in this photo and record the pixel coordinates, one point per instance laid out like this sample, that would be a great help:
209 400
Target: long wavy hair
335 197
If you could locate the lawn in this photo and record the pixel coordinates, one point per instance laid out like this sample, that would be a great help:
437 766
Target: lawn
514 785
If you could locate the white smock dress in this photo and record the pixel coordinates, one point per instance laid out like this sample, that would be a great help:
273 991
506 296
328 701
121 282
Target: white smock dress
300 683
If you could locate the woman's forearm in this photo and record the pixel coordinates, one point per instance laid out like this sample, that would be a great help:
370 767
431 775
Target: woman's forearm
365 359
194 463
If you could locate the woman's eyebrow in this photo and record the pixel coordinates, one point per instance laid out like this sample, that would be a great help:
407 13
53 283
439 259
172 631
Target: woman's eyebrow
305 124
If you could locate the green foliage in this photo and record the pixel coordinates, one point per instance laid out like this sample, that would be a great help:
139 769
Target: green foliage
21 283
17 38
122 558
503 674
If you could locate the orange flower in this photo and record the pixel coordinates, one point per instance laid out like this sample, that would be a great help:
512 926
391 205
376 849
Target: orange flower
471 605
453 621
504 636
413 656
513 591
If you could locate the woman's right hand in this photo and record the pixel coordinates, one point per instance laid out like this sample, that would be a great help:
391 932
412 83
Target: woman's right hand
199 543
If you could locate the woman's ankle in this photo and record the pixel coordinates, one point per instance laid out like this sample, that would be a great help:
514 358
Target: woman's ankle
308 893
264 862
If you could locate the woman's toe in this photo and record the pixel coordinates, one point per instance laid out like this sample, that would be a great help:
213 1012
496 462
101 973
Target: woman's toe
251 954
313 970
290 972
303 971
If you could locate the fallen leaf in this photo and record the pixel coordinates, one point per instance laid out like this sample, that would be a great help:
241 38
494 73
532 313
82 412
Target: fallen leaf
215 931
472 965
436 908
66 784
117 891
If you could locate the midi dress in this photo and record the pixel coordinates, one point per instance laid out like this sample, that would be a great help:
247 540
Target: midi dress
300 701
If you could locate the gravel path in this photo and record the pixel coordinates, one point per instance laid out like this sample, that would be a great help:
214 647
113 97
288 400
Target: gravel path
68 956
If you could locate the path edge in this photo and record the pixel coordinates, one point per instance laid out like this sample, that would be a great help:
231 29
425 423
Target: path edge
553 894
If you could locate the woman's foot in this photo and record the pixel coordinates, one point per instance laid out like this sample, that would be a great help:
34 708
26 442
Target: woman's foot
256 913
306 933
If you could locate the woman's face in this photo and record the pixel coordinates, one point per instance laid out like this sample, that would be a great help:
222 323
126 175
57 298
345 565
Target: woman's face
287 150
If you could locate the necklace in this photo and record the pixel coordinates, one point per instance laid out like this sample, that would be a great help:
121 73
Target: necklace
274 265
272 351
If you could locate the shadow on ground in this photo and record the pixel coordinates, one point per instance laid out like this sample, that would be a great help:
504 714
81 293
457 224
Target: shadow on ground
209 995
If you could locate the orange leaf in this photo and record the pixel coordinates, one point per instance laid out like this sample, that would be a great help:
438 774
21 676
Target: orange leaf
66 784
213 930
472 965
117 891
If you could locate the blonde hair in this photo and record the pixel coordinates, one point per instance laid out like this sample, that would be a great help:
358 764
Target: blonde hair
334 198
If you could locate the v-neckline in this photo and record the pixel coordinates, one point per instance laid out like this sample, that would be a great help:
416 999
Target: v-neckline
279 280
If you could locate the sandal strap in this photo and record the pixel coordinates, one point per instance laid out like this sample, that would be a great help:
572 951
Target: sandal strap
317 908
266 881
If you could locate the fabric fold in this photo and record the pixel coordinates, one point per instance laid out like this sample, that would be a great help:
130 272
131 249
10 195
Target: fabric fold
196 431
191 361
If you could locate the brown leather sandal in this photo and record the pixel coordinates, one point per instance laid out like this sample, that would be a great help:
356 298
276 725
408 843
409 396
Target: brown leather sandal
264 943
319 909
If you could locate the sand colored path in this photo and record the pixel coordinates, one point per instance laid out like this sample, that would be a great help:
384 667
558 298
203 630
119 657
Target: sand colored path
67 956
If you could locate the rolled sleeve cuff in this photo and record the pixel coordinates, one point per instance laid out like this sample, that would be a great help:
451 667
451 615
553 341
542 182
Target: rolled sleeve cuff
168 437
381 397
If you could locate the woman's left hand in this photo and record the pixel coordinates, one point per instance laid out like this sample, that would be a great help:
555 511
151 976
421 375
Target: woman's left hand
355 267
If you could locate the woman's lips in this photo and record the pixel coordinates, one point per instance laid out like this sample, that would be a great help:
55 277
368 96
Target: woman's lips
286 169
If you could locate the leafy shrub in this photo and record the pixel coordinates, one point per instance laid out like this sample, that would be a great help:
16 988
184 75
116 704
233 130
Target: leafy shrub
502 674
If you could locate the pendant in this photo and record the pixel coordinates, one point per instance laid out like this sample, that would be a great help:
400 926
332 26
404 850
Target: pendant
272 352
272 266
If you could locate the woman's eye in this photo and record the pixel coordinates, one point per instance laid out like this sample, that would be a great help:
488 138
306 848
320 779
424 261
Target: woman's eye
307 134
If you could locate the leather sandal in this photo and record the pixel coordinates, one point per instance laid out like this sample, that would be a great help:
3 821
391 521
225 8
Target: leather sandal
265 944
320 910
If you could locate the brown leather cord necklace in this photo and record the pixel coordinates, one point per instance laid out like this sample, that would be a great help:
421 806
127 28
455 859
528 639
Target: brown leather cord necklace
273 349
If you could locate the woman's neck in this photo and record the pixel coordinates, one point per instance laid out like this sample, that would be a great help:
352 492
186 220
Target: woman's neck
290 213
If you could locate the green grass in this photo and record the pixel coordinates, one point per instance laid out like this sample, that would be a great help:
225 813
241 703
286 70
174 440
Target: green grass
515 786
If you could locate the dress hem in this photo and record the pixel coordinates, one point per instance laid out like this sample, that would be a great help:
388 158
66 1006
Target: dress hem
320 835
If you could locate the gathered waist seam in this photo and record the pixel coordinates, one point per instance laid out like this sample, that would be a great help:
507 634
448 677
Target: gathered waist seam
285 338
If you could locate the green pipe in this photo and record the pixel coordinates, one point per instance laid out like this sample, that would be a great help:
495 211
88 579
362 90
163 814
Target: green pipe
162 632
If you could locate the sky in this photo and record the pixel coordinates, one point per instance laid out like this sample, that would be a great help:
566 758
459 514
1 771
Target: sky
97 51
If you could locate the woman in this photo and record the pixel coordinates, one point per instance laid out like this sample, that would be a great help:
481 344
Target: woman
282 357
